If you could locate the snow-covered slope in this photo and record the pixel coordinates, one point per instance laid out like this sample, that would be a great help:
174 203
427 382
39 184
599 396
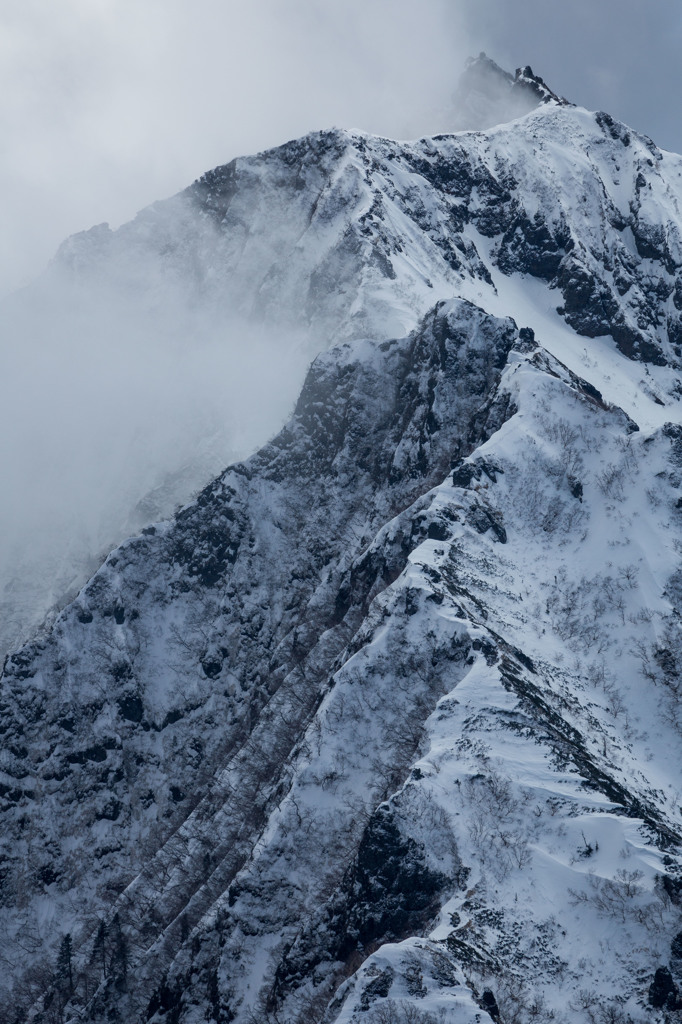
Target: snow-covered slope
348 235
386 726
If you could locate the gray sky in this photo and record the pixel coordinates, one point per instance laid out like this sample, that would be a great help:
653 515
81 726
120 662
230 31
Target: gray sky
106 105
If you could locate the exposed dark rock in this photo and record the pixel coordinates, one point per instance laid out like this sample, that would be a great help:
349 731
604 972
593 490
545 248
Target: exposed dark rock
576 489
489 1004
663 990
377 988
131 708
484 519
394 891
388 893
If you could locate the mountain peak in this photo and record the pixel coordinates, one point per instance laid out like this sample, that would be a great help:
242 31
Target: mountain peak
488 95
525 79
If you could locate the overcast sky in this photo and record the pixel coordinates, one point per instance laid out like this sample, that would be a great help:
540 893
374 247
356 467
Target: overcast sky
106 105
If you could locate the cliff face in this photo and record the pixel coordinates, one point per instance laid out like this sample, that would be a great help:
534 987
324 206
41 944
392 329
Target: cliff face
385 726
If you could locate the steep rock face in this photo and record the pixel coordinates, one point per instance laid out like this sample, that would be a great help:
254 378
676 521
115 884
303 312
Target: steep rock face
538 761
411 771
160 678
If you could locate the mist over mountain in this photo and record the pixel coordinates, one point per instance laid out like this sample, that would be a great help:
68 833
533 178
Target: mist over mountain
147 358
386 724
487 95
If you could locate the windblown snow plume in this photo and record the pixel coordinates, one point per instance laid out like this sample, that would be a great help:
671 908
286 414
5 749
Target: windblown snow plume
487 95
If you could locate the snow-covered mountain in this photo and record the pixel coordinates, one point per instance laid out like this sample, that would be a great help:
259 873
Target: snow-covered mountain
335 236
386 725
348 235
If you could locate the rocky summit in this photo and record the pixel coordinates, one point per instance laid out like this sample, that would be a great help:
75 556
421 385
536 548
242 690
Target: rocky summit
385 726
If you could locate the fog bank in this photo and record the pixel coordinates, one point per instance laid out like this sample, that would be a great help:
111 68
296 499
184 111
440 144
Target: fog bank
112 415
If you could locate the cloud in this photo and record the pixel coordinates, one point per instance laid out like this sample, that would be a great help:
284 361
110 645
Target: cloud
115 414
106 105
